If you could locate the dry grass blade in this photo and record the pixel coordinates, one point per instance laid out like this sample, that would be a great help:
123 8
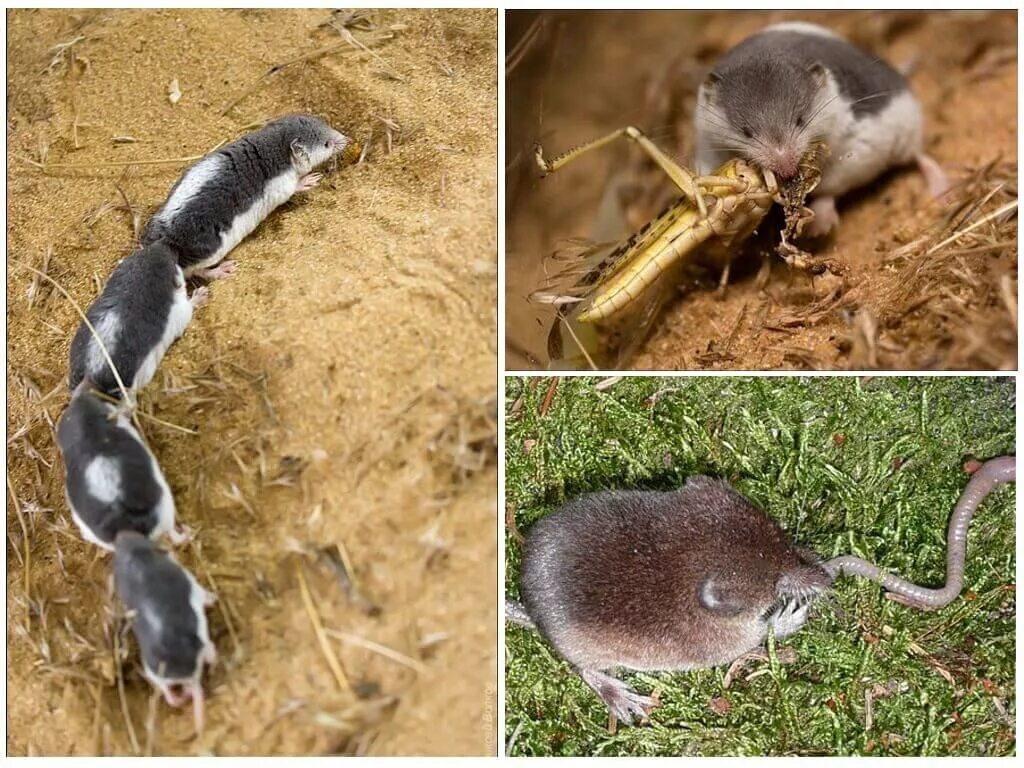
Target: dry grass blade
168 424
957 283
523 45
1010 206
108 164
382 650
152 721
222 602
120 690
89 325
27 558
318 628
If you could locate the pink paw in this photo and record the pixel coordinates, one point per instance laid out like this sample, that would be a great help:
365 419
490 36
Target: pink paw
210 654
219 272
825 217
182 534
309 181
176 699
200 296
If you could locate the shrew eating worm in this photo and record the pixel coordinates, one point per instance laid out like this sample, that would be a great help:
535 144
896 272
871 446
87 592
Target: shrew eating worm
690 579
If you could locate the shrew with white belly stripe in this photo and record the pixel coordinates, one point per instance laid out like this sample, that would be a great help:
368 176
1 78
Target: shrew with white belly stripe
225 196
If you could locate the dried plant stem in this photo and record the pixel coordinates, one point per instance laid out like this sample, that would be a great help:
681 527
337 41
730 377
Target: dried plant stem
151 721
983 220
321 635
116 163
26 560
106 164
89 325
377 648
168 424
120 690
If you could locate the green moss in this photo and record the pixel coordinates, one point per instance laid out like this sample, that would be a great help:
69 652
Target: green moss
846 466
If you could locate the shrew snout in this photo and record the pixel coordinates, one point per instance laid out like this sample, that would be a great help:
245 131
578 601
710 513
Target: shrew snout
783 161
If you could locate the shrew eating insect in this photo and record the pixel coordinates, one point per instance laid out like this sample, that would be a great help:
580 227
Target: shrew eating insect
792 85
792 96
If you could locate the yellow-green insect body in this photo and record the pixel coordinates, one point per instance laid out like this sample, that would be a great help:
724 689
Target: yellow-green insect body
735 206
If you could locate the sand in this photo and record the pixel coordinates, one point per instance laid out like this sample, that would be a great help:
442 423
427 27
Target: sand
337 390
587 74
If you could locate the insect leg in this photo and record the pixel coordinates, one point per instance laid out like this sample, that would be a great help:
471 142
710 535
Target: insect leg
679 175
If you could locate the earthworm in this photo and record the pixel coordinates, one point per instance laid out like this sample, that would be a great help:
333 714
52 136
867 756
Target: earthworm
992 473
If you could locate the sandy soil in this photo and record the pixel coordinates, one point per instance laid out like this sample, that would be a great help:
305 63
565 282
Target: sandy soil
339 389
587 74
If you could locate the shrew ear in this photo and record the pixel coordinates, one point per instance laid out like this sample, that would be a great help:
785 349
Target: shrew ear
298 153
712 80
818 73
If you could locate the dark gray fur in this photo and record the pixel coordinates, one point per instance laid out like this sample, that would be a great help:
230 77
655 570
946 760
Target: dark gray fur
253 160
765 79
84 432
632 564
150 583
142 289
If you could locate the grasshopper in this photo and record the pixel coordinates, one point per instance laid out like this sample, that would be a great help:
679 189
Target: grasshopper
614 296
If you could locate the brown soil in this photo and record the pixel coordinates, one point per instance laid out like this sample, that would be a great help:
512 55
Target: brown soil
586 74
339 388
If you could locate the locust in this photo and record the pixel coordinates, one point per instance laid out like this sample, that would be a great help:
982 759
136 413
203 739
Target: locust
608 298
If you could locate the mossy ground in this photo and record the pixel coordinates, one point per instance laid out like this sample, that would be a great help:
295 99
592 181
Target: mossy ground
872 467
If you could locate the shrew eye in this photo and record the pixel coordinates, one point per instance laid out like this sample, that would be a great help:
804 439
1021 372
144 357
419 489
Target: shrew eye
327 145
800 121
748 133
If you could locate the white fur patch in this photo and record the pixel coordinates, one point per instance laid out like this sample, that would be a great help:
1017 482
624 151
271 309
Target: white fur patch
191 185
103 478
864 148
108 328
708 595
803 27
177 320
152 618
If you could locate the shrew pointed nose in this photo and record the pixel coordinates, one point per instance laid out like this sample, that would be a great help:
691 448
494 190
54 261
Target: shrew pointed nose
784 162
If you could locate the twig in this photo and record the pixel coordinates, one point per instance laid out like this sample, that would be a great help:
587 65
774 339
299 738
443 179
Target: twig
549 397
318 629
